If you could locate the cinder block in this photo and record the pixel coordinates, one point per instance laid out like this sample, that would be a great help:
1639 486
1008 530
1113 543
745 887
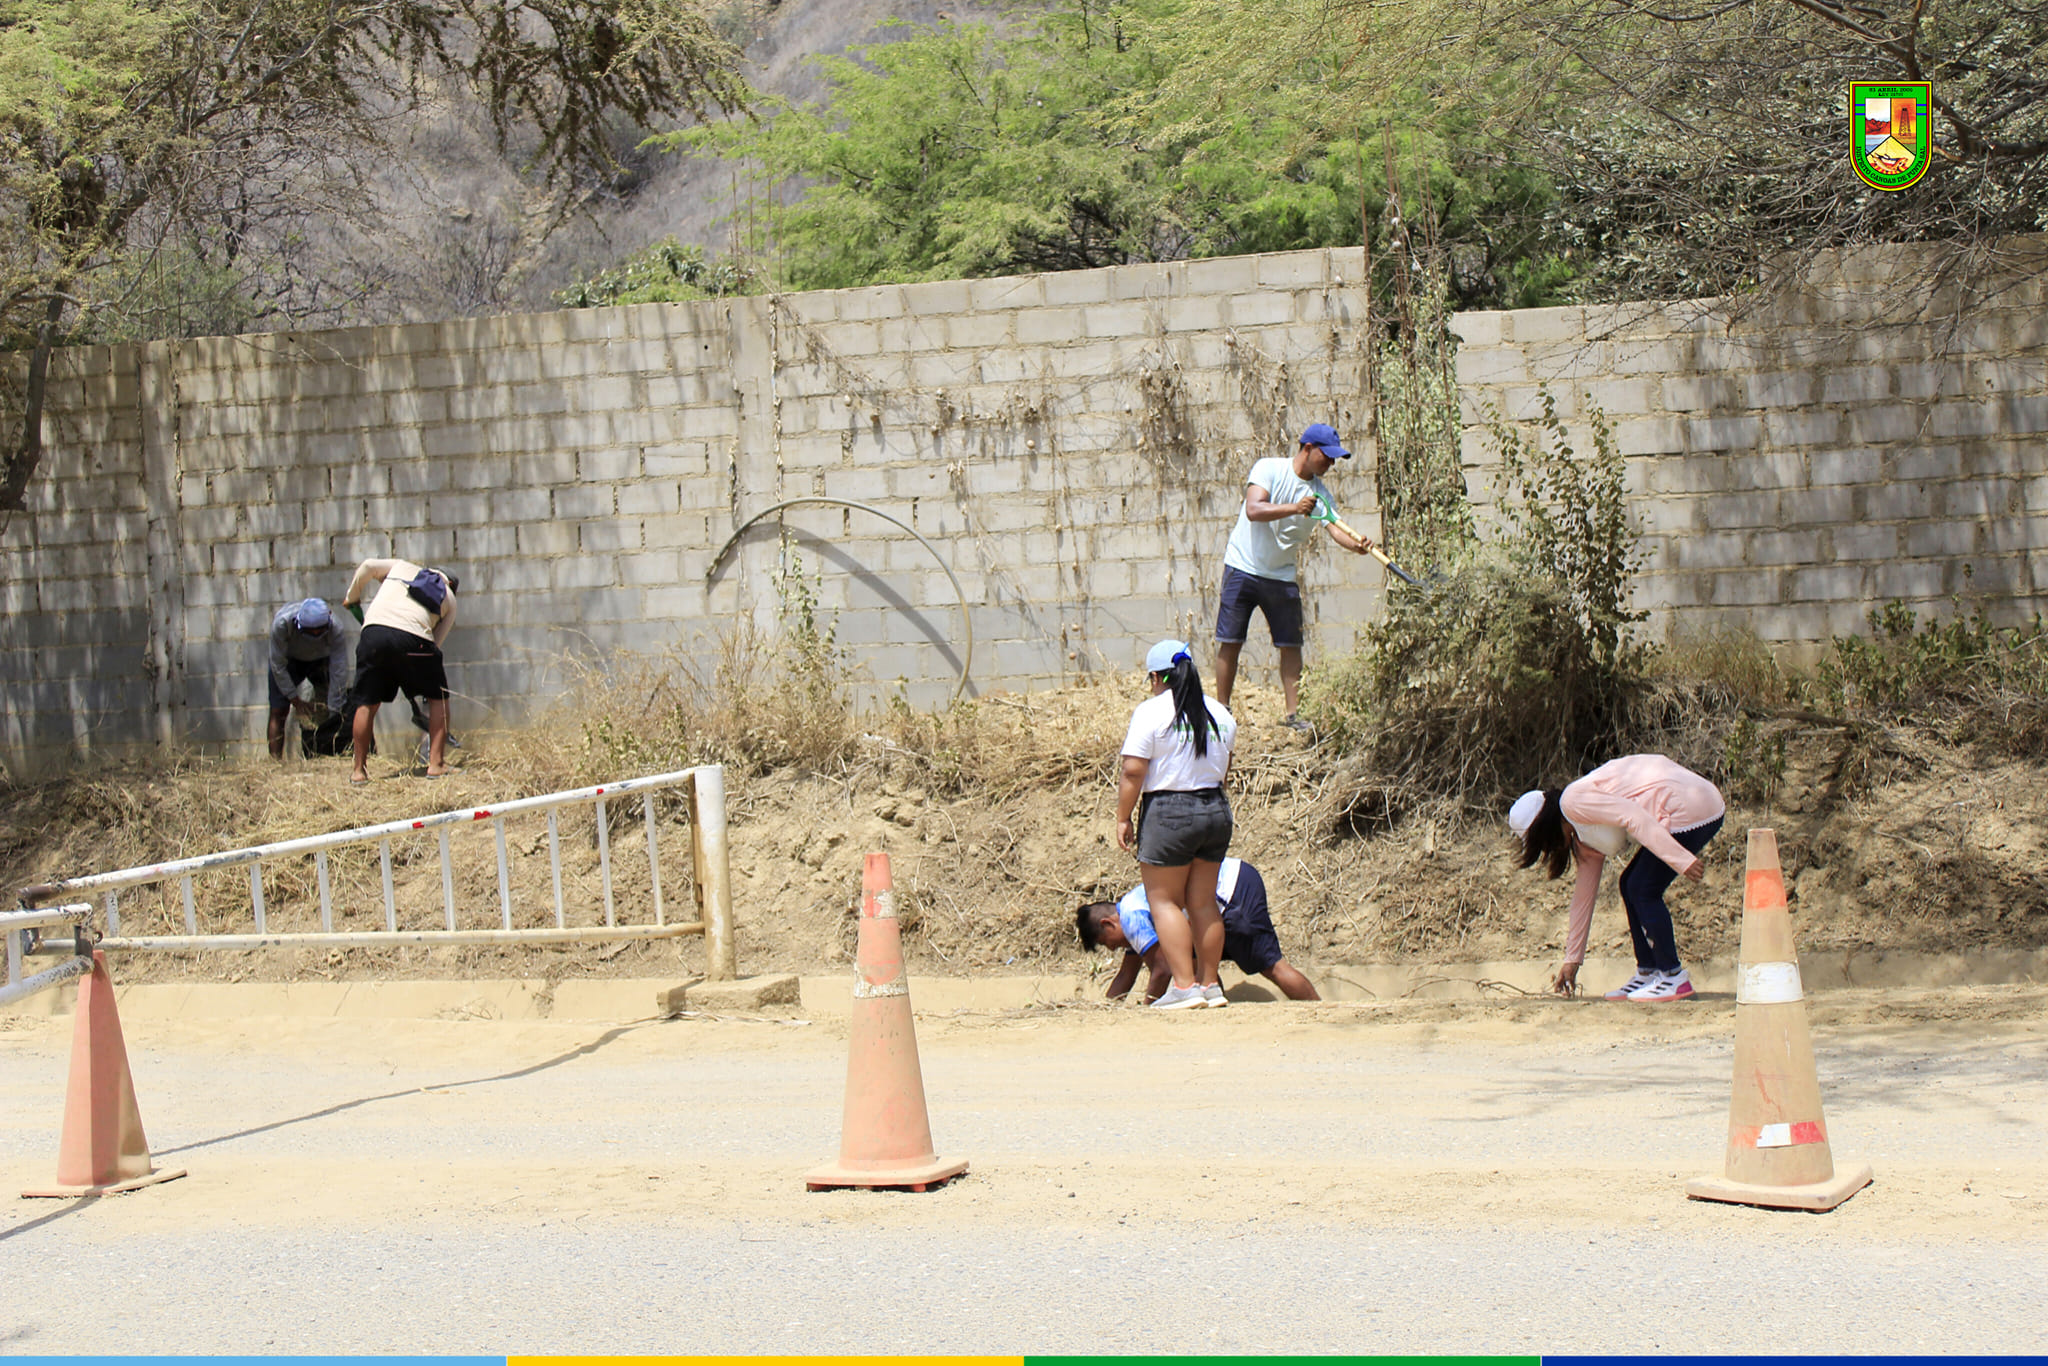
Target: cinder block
491 542
1743 510
1858 466
1664 356
935 299
1907 580
1049 326
1546 325
583 571
1619 397
1767 470
1722 433
649 497
546 538
1233 275
1833 583
1650 436
1860 384
1709 550
1920 464
1981 498
604 538
586 501
1960 417
1005 292
1785 548
1117 320
1748 587
1814 427
1895 502
1483 329
1940 538
395 514
1869 542
1477 367
1779 389
1258 310
1813 507
1884 423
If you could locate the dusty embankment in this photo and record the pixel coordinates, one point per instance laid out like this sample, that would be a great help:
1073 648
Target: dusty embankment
999 827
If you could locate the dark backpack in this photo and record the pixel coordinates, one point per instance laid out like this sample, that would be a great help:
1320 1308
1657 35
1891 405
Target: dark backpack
335 735
428 589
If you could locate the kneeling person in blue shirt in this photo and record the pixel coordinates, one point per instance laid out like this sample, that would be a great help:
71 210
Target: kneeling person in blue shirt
1248 937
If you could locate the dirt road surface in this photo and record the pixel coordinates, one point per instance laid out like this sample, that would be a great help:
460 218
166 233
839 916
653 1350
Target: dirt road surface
1448 1177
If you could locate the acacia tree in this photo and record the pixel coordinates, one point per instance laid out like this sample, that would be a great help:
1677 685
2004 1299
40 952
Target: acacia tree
1699 147
1061 140
130 128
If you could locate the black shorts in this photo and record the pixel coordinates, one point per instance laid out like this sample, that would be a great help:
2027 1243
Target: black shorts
388 659
1248 937
299 670
1278 599
1176 828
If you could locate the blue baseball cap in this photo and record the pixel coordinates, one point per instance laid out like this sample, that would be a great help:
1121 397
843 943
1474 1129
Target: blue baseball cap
1163 656
313 615
1324 437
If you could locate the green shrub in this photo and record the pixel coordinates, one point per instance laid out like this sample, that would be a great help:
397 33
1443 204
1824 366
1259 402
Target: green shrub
1979 682
1517 666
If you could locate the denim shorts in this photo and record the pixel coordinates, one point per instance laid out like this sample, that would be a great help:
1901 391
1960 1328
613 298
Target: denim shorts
1277 598
1176 828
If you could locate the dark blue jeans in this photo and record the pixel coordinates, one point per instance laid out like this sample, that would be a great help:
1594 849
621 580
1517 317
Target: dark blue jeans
1642 896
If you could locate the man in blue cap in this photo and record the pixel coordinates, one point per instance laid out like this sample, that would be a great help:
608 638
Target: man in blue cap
1259 565
304 644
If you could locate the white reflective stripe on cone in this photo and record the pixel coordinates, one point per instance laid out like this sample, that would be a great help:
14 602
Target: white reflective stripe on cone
1767 984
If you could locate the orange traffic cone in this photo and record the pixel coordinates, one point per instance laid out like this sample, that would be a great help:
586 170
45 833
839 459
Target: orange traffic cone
886 1137
1778 1151
103 1151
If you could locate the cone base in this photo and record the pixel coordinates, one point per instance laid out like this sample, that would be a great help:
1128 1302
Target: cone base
1819 1197
922 1176
116 1188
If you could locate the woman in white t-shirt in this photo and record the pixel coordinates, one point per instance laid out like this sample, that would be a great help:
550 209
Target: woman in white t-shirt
1176 754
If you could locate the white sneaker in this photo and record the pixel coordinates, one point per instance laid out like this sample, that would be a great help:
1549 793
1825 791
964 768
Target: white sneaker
1644 977
1669 986
1181 998
1212 995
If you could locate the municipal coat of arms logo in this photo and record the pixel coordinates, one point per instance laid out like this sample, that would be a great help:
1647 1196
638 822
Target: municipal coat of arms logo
1890 138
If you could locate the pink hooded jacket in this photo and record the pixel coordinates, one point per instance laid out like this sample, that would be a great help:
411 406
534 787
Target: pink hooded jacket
1644 797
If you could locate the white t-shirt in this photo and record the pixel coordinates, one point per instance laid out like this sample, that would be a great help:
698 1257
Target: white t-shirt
1156 735
1270 549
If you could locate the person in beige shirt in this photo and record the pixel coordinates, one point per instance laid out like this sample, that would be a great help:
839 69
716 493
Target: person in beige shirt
404 624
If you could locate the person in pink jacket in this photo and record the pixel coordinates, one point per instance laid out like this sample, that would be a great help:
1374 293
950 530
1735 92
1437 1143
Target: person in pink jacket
1668 810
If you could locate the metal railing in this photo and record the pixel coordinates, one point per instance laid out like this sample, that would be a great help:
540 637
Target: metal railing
19 928
704 790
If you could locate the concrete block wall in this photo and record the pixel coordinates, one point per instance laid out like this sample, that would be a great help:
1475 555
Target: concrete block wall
1792 467
1072 447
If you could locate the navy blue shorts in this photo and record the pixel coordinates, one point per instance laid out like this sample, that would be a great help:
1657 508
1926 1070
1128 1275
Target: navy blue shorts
299 670
1279 600
1248 937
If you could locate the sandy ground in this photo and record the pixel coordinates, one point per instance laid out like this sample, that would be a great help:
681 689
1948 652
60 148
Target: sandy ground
1339 1178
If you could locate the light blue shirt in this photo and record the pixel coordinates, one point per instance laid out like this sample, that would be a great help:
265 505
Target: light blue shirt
1270 549
1134 911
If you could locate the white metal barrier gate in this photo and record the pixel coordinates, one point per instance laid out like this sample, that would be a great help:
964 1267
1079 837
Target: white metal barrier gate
22 932
704 790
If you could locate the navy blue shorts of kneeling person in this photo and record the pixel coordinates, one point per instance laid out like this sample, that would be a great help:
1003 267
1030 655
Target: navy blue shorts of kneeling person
1249 939
400 650
1176 755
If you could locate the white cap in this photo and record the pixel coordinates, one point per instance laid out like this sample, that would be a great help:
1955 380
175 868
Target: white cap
1164 655
1523 813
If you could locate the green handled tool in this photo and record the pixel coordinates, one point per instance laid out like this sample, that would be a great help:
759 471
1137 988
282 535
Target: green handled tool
1327 514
